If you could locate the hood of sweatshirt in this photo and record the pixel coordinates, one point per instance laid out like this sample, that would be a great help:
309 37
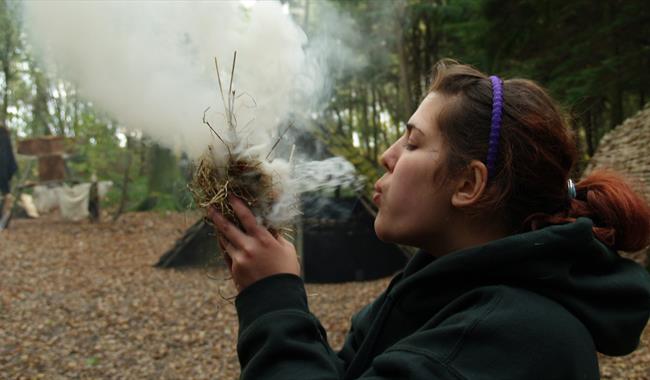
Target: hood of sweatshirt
609 294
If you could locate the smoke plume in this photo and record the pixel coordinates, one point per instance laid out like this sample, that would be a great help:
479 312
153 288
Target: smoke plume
150 64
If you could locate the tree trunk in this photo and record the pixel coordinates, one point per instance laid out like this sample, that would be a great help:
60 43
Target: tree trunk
617 105
351 112
578 125
40 110
415 48
375 122
161 170
641 98
589 132
428 42
405 94
162 175
142 150
6 69
616 94
59 106
391 107
365 128
126 178
75 115
7 57
339 120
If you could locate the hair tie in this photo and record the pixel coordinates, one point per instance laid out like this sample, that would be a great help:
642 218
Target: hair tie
572 189
495 129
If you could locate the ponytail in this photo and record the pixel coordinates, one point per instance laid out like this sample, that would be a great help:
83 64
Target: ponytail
621 216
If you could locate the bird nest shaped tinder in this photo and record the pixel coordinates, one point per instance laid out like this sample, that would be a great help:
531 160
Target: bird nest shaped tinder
231 167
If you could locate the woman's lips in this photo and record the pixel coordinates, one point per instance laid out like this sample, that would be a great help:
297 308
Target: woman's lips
376 198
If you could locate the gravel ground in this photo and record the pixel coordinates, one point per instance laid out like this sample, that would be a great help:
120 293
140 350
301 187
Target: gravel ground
82 301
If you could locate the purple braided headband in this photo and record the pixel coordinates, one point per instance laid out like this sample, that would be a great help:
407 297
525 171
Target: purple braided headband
495 129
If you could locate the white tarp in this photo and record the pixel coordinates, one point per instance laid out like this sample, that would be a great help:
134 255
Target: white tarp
67 198
73 201
45 199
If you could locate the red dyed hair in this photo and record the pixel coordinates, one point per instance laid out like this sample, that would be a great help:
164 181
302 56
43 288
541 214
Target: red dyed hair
536 154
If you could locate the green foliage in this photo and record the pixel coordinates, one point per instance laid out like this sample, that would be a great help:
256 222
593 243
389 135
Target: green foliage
592 56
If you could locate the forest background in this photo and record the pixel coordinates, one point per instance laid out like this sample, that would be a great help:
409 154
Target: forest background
593 56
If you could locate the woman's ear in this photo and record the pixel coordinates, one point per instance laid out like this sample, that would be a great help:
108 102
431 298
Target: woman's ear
470 184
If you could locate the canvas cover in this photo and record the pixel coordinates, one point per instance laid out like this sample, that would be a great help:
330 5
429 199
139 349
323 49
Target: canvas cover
47 198
73 201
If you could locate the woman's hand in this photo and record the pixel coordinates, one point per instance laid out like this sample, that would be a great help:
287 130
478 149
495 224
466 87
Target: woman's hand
254 253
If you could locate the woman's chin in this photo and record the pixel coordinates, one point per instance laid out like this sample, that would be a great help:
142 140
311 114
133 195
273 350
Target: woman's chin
389 235
383 231
379 231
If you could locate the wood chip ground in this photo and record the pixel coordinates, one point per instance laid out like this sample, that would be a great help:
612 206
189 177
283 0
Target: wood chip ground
82 301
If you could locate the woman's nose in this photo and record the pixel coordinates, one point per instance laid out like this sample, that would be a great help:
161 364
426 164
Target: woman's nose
389 157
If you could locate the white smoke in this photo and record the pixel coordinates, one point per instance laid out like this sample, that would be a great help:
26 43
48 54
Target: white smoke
150 64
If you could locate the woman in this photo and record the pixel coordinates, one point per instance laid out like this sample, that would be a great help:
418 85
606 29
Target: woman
517 277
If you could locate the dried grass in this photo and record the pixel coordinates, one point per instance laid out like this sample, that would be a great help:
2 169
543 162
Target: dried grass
241 175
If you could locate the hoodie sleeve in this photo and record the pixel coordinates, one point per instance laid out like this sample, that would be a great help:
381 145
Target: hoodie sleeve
278 337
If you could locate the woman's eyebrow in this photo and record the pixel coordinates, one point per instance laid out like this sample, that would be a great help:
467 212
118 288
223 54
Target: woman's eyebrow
410 127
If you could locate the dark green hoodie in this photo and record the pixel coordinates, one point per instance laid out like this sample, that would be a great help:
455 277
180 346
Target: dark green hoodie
536 305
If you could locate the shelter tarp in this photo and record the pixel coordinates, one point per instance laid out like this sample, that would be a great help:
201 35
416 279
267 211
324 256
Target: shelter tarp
47 198
73 201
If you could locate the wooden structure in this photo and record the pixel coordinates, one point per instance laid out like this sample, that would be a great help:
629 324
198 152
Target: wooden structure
49 150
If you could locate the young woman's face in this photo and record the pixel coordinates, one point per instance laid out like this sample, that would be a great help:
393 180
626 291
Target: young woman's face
414 207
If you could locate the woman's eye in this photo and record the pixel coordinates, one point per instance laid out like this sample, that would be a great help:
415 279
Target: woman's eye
408 146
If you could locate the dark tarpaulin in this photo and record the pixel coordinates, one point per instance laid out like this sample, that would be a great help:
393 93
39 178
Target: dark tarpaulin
8 165
340 243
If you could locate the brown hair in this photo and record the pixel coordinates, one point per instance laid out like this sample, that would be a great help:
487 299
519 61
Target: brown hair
528 189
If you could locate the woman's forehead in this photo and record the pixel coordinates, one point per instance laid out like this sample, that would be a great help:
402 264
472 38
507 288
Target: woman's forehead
425 118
